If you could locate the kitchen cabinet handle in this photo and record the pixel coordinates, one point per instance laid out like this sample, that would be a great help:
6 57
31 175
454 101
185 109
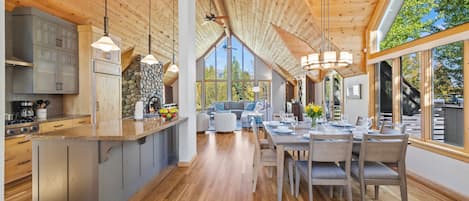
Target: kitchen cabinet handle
22 142
97 106
82 122
58 126
24 162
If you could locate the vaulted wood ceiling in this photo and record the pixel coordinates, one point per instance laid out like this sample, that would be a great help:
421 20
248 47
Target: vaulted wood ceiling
250 20
128 19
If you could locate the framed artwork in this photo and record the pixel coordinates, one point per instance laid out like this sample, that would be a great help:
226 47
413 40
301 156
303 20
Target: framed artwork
354 91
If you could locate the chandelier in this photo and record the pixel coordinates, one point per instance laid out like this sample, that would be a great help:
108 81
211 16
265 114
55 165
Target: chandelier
326 58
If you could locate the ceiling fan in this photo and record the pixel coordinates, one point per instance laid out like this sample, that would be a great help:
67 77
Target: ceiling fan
211 17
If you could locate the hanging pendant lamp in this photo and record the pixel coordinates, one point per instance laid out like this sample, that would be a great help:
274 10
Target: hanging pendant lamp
327 58
105 43
149 59
173 68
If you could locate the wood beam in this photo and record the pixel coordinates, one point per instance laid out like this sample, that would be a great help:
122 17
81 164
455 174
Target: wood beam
126 58
221 10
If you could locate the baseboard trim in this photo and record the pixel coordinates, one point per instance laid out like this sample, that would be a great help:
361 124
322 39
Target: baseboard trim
185 164
436 187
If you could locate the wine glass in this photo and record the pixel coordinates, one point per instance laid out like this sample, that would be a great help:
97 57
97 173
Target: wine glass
369 122
294 123
343 119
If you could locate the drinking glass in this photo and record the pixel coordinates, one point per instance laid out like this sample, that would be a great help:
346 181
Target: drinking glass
343 119
369 122
294 123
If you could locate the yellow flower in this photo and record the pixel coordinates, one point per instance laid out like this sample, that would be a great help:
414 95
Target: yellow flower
316 109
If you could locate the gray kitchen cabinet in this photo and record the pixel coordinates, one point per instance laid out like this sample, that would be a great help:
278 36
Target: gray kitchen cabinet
50 44
147 162
111 177
132 170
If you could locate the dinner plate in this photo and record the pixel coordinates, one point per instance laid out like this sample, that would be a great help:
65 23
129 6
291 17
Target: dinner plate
342 125
274 123
283 131
373 132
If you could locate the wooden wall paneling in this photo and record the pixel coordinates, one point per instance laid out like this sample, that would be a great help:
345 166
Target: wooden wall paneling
127 57
396 90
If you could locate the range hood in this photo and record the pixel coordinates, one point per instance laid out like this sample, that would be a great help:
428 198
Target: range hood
13 61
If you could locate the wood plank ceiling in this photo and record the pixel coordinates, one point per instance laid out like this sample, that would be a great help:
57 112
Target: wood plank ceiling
250 20
128 19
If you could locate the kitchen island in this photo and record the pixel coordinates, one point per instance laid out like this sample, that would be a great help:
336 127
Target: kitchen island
109 161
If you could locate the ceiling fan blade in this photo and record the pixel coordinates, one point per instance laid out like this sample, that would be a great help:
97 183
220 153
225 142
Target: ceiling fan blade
221 17
219 22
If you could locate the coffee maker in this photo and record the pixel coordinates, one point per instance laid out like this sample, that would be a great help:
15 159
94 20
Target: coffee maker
23 109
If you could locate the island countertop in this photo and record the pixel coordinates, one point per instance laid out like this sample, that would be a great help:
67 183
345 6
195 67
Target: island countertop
115 130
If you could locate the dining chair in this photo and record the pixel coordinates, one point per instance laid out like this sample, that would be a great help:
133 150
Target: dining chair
360 121
266 156
322 167
370 169
389 128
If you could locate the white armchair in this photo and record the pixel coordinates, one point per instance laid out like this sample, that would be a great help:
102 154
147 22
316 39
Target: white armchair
202 122
225 122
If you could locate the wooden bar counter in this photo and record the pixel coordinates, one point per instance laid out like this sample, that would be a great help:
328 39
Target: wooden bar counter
109 161
114 130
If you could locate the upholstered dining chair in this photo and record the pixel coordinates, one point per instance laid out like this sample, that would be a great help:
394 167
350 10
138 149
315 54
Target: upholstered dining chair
266 156
370 168
322 167
360 121
389 128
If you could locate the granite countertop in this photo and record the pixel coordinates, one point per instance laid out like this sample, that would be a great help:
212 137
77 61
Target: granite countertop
62 117
115 130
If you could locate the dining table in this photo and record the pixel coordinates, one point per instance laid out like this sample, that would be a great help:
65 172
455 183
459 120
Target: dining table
298 140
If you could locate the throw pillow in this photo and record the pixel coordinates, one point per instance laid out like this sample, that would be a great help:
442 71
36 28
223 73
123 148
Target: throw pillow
219 107
250 107
259 106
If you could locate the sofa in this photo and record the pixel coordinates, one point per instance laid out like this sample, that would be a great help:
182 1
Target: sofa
236 107
242 110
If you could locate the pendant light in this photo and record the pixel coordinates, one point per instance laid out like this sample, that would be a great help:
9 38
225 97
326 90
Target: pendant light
105 43
327 58
149 59
173 68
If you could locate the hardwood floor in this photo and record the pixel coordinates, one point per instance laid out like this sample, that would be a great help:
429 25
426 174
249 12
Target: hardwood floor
222 172
223 168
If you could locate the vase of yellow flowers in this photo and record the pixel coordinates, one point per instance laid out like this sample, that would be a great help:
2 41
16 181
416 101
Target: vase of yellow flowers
168 113
314 112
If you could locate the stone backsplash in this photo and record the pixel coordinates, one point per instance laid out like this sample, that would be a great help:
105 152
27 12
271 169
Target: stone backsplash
141 81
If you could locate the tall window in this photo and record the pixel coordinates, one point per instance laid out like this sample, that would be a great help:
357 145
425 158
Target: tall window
410 94
242 69
384 91
216 75
419 18
448 84
333 95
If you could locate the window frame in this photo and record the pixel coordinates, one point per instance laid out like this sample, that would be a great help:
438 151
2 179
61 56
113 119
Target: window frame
424 46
